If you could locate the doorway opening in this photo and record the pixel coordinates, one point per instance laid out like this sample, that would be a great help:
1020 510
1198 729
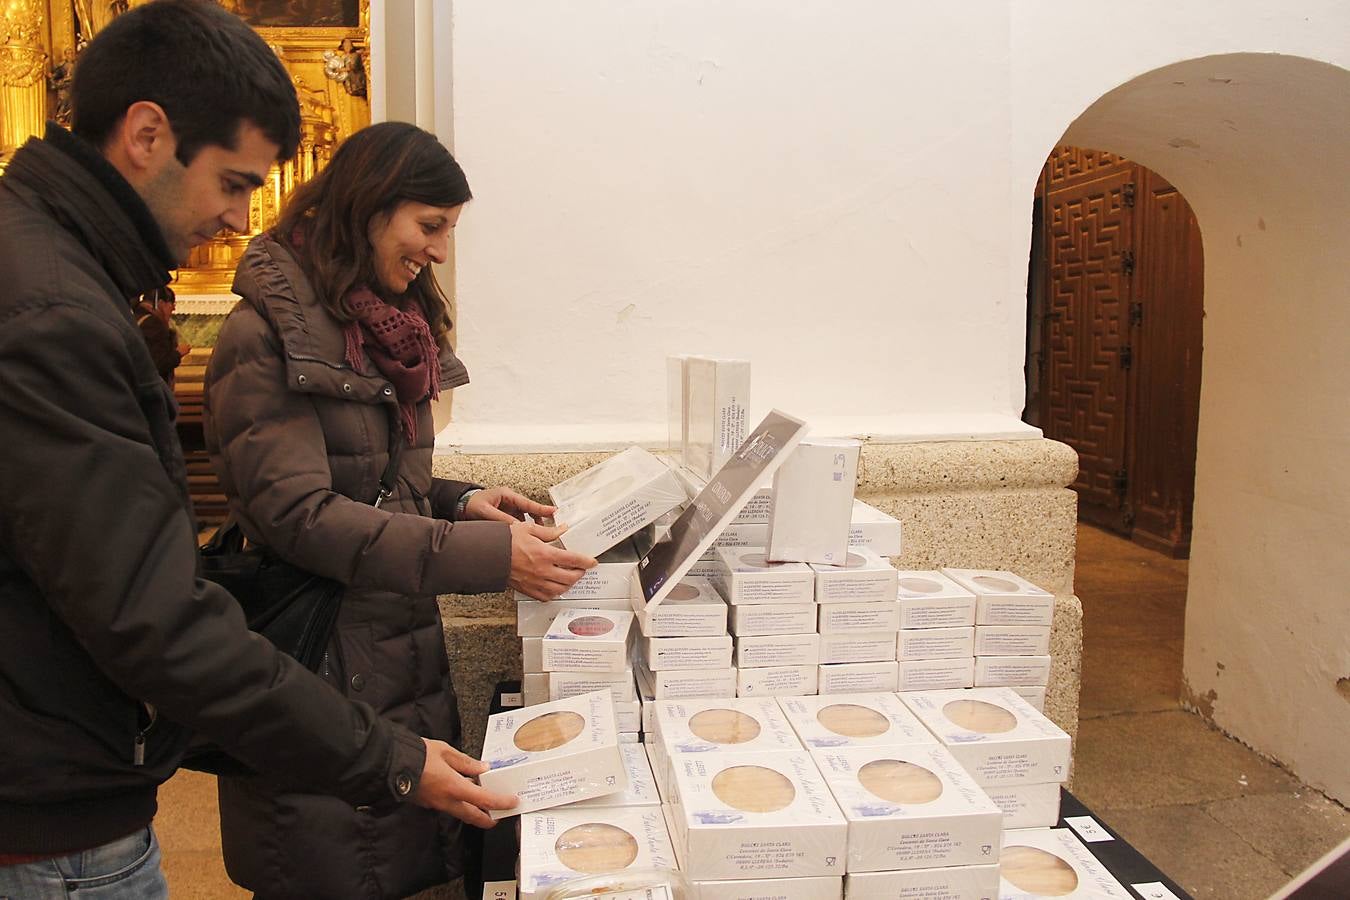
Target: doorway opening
1115 294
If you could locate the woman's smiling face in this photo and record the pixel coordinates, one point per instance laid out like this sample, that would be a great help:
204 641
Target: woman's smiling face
407 240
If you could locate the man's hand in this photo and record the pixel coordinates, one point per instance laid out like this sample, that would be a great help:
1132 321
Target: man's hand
539 570
502 504
446 786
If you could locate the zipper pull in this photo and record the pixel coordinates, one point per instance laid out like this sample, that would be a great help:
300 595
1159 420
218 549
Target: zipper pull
138 754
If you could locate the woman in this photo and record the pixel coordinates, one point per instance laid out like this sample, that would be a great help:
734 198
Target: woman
340 337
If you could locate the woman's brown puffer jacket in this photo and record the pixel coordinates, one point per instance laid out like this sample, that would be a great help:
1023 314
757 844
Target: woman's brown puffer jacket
299 440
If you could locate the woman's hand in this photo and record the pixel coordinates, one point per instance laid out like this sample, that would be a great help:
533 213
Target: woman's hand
445 785
502 504
538 569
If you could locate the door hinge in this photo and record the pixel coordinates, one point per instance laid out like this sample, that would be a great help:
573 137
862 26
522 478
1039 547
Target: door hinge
1120 481
1136 313
1127 262
1126 356
1127 194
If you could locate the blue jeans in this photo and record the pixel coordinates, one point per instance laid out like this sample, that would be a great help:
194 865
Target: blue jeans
124 869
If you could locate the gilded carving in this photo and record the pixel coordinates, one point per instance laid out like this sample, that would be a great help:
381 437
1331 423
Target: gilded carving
23 54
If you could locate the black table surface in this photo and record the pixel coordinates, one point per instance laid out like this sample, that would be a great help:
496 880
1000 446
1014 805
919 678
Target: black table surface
491 855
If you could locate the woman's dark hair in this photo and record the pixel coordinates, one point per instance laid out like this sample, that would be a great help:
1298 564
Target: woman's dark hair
370 174
208 69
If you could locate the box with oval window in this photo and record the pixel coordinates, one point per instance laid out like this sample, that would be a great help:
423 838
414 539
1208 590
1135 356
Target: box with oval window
854 720
563 845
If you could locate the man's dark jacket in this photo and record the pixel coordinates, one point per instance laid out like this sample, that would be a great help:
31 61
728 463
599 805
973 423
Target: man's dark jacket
111 647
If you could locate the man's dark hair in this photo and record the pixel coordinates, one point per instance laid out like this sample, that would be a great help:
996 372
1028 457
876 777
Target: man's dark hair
206 68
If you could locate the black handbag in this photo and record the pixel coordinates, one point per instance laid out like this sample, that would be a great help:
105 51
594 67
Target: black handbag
294 609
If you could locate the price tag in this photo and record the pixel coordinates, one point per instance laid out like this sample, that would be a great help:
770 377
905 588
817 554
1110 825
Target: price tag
1154 890
511 701
499 890
1088 829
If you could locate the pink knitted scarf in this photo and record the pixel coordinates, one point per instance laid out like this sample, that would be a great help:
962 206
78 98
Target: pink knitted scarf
400 345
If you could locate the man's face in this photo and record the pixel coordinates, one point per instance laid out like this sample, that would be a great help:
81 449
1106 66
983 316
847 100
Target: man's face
194 203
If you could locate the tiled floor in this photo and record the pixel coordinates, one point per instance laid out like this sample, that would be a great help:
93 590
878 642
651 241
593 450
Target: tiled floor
1221 821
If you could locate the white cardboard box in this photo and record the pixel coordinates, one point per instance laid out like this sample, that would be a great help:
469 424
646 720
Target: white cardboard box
865 646
747 577
1012 640
946 883
828 722
813 502
610 577
1028 851
757 508
663 653
1005 671
910 807
702 725
756 815
1032 693
693 608
534 616
589 839
871 528
936 643
772 618
718 392
674 684
641 790
628 716
822 887
863 576
777 681
754 651
858 678
534 688
554 753
588 640
935 674
997 736
929 599
677 405
1027 805
532 654
622 494
1003 598
881 615
562 685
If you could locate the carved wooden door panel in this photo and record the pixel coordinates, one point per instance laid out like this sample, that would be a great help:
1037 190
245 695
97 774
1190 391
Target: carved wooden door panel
1167 317
1089 225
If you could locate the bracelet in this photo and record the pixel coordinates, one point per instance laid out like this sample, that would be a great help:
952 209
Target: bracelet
463 502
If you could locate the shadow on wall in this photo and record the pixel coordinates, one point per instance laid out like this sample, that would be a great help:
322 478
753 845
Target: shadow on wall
1257 143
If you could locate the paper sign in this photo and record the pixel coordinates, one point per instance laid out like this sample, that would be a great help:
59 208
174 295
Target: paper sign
1088 829
499 890
1154 890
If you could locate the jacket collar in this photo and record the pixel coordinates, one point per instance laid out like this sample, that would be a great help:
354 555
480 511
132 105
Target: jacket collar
91 199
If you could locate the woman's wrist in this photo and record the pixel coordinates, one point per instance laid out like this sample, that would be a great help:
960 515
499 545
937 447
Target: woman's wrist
463 503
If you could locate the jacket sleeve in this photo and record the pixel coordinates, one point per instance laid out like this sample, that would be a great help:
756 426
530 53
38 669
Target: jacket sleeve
445 494
268 444
102 530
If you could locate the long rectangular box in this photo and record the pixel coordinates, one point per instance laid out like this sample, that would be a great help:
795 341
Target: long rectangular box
858 678
871 528
863 646
777 681
1003 598
835 618
756 815
858 720
554 753
718 392
772 618
755 651
1024 860
929 599
588 640
563 844
747 577
665 653
864 576
1012 640
997 736
935 674
1005 671
620 496
946 883
813 502
693 608
910 807
936 643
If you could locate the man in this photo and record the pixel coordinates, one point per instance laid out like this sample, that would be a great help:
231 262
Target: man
110 647
154 316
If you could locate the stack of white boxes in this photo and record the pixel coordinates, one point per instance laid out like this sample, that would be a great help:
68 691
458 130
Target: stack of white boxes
858 619
1012 631
1015 754
685 650
587 649
772 614
918 826
936 642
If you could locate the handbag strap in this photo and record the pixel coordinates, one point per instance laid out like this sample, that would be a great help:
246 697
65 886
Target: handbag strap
389 477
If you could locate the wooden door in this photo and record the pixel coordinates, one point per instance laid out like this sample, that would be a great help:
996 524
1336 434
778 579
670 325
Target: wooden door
1085 350
1167 316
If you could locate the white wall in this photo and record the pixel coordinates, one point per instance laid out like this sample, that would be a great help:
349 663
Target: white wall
841 193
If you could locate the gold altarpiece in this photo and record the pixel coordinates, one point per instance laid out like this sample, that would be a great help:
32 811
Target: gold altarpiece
323 44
